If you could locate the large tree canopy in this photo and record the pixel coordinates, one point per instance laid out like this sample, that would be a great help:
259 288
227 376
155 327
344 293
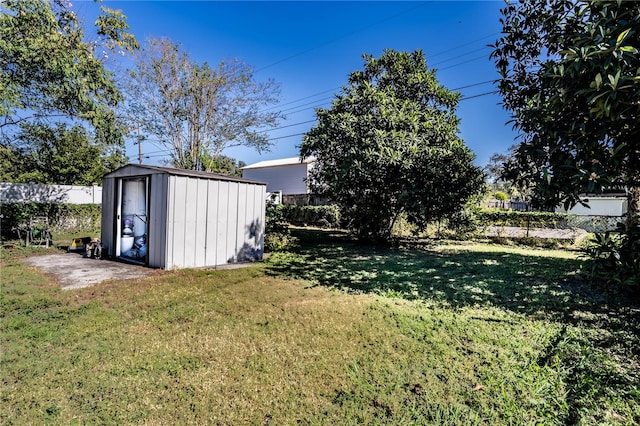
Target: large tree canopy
389 145
57 97
197 111
49 71
571 77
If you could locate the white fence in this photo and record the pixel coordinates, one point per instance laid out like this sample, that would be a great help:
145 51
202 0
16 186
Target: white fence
38 193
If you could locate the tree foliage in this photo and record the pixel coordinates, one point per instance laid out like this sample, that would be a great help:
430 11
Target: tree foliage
389 146
571 77
197 111
49 71
223 165
57 97
58 155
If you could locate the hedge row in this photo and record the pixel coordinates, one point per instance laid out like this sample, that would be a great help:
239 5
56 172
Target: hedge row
329 217
319 216
63 218
523 219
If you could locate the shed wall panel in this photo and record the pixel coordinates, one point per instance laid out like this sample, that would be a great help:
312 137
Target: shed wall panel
156 228
231 213
222 223
248 224
186 241
212 222
177 224
200 228
241 224
254 221
108 222
259 214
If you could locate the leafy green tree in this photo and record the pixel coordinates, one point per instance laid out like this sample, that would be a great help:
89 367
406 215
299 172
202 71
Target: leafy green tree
197 111
224 165
500 171
389 146
571 78
52 77
48 71
59 155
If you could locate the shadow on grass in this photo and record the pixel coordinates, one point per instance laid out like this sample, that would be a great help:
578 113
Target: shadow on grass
531 284
597 326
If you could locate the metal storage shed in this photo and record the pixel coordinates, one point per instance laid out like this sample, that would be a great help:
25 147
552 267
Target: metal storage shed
172 218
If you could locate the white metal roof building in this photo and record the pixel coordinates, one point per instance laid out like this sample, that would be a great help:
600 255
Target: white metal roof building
288 175
173 218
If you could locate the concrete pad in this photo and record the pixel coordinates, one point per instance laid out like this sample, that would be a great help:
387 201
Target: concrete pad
74 271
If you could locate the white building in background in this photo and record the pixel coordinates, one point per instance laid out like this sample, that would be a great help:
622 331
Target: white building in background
286 175
612 206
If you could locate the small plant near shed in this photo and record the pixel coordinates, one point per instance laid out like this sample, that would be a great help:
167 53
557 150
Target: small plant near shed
277 234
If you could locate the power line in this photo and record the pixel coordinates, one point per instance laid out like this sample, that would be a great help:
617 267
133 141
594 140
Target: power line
340 38
429 57
301 99
163 152
318 105
462 63
479 95
458 56
464 45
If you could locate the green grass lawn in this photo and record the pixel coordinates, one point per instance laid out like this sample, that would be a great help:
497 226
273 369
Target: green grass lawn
333 332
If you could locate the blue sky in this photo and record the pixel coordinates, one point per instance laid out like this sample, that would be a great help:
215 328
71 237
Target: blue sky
310 48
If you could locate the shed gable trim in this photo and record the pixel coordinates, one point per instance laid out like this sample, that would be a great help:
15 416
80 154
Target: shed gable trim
138 169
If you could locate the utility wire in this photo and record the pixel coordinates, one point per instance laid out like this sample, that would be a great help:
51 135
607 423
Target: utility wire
422 4
461 63
319 105
435 65
163 152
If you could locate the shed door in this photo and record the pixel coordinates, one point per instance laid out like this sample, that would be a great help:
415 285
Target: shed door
133 201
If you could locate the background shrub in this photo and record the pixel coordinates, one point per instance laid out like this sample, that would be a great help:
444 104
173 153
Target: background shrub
523 219
318 216
63 218
277 233
500 196
615 257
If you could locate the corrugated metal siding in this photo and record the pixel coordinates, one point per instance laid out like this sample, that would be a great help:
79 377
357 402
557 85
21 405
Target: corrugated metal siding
210 238
156 228
108 221
251 229
230 211
201 228
241 225
194 222
222 202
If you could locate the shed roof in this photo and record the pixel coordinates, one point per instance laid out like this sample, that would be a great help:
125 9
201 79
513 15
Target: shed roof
178 172
291 161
